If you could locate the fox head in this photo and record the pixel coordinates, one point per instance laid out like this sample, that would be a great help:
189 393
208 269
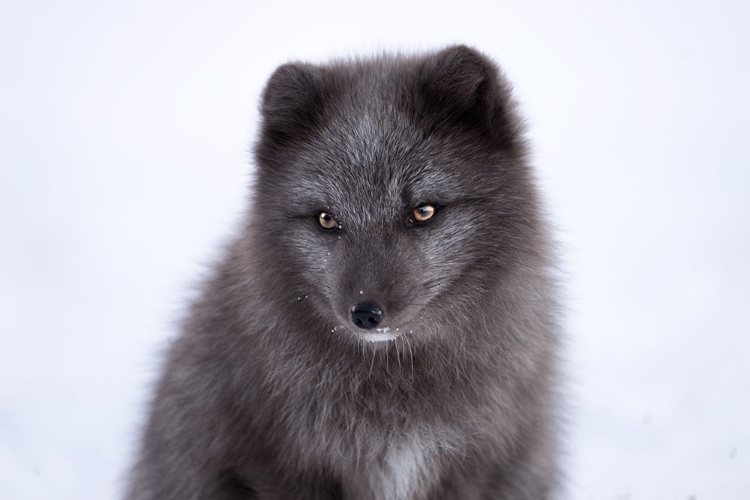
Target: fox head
391 194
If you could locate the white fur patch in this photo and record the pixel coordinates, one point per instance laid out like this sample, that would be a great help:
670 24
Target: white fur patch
405 469
380 335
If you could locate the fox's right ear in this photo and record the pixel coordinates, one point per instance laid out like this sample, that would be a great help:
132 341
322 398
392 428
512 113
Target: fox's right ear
292 103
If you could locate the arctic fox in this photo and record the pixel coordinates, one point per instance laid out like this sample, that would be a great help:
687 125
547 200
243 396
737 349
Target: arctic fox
385 324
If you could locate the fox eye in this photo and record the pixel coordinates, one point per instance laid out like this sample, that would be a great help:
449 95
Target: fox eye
423 213
327 221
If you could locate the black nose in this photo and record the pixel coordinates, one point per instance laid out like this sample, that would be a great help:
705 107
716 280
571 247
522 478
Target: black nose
366 315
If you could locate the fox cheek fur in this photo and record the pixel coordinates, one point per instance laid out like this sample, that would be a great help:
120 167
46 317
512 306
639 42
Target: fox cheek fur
276 387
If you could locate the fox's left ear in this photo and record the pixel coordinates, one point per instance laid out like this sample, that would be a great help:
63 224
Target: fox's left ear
461 87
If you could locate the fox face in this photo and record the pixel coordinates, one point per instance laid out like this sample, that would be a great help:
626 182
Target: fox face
388 189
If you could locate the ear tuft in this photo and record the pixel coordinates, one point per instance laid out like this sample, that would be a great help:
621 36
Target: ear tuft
292 102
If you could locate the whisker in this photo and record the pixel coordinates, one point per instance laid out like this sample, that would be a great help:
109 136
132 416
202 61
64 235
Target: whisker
374 352
398 356
411 356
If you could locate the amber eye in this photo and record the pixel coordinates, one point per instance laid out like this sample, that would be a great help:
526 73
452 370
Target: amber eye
327 221
423 213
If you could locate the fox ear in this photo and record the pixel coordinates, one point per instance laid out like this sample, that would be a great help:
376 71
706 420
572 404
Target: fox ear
292 103
461 87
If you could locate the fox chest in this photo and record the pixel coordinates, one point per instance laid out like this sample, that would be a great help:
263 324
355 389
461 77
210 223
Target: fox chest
405 471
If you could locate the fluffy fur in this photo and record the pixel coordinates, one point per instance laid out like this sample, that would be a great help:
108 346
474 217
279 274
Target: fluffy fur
270 392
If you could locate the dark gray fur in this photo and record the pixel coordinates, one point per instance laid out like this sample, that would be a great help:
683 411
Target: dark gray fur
269 392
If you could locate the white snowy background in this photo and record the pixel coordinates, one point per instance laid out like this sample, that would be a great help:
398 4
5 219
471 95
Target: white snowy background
124 136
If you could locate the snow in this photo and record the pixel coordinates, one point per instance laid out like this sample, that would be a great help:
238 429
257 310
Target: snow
124 136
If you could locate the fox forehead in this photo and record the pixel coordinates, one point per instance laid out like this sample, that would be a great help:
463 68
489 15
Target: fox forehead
393 176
